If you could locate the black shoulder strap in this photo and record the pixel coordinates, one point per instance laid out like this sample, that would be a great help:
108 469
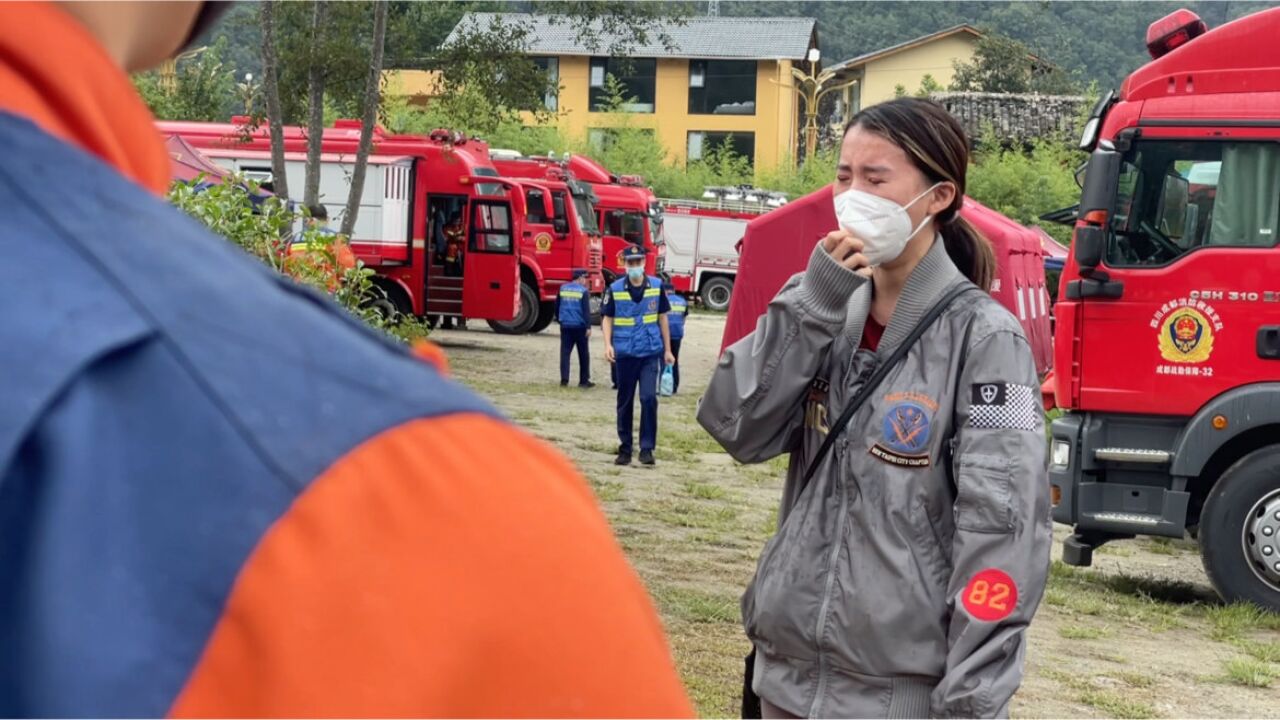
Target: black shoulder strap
881 371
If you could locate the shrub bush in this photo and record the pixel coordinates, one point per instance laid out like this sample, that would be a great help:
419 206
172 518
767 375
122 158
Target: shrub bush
268 230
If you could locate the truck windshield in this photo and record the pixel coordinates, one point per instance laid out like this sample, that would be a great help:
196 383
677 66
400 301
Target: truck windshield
629 226
586 214
491 189
1176 196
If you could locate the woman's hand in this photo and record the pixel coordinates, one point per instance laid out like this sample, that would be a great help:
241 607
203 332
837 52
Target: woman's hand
845 249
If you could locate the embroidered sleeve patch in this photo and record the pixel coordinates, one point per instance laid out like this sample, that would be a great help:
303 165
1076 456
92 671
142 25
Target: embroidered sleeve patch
990 596
1005 406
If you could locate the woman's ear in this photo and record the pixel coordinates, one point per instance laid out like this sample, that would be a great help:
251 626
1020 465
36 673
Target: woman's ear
942 196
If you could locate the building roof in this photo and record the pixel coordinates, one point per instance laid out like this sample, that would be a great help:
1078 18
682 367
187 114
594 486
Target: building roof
908 45
756 38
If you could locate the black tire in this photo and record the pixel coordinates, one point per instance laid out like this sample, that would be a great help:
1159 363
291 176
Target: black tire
546 313
390 302
1240 531
386 310
526 315
716 294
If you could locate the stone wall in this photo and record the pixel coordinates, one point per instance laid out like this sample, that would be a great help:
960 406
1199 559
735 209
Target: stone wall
1015 118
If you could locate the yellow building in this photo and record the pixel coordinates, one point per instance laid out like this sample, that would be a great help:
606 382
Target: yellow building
418 87
879 74
710 79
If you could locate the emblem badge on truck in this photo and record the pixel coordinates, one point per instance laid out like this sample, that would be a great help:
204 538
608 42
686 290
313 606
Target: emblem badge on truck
1186 336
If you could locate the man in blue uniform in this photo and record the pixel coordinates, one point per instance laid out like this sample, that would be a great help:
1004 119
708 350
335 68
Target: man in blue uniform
675 321
573 312
637 340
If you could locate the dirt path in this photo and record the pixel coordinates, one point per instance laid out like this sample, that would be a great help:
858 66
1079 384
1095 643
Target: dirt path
1140 635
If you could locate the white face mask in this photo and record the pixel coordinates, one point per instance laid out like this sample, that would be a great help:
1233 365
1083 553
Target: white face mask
880 223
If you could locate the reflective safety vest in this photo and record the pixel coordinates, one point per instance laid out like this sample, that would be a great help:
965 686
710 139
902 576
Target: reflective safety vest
571 295
636 332
675 318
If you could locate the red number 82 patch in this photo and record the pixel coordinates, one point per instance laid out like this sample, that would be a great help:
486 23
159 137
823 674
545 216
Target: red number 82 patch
990 596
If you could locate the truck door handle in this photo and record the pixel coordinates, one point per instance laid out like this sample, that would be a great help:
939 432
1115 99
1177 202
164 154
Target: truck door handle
527 233
1269 342
495 286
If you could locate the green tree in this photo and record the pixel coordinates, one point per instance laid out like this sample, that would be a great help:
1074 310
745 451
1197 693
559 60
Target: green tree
202 87
1004 65
493 59
928 86
372 89
1023 184
271 91
271 229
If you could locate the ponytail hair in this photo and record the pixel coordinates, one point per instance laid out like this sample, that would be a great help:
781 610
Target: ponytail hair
939 148
970 251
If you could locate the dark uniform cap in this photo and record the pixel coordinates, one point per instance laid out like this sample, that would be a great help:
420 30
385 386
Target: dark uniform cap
633 253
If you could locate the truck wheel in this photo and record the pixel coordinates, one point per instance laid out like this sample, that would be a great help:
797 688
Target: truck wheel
390 302
525 317
716 293
546 313
1240 531
386 310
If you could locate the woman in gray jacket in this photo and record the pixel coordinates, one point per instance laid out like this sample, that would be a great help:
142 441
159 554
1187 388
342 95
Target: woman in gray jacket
905 571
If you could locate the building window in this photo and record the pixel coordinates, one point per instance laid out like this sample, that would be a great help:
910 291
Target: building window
702 144
638 77
722 87
551 67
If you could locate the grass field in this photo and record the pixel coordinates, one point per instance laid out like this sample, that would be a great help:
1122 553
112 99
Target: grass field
1140 635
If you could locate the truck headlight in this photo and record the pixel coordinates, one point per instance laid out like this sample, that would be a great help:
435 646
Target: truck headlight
1061 456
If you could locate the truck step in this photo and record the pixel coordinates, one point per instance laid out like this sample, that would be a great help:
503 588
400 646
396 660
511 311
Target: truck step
1124 518
1133 455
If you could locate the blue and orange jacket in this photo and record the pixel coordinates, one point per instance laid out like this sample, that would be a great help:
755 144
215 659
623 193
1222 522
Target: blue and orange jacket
221 496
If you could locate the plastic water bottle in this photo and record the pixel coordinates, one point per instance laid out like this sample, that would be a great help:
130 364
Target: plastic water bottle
667 384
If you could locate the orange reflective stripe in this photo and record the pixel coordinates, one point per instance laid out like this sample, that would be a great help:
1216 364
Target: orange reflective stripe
432 353
448 567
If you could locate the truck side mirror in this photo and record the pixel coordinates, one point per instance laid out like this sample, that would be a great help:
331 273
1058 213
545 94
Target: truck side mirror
560 225
548 208
1101 175
1089 243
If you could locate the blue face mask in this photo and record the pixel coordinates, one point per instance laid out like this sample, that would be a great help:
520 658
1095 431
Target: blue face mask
635 273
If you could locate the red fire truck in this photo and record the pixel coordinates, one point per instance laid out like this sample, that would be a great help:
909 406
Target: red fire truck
702 238
1168 322
560 235
436 224
629 212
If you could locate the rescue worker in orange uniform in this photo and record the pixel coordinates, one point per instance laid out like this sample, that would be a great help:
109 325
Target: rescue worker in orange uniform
455 240
221 496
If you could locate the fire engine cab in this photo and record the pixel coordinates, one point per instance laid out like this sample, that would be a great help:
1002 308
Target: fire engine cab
1168 324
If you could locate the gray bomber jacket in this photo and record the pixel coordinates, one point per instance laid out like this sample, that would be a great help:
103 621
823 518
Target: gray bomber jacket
891 589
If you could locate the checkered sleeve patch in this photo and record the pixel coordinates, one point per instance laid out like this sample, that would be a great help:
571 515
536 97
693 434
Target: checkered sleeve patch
1005 406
